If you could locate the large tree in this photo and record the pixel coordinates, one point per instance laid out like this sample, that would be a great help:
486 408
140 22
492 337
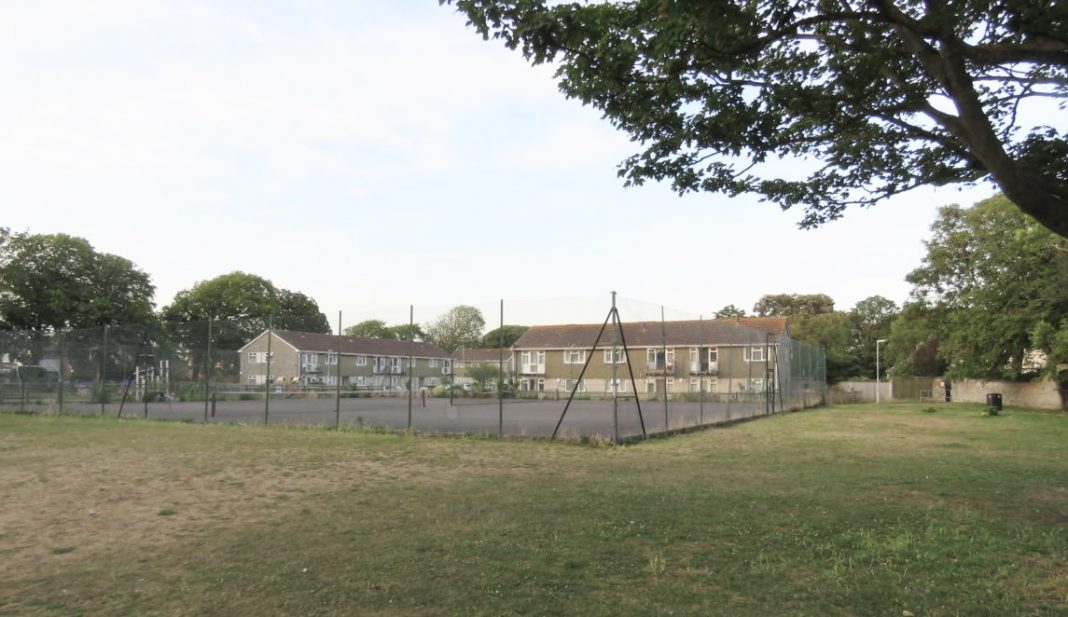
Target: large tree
870 319
492 339
55 282
460 326
240 306
871 98
991 275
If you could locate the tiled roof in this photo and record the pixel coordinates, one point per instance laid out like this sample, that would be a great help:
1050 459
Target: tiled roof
651 333
312 341
480 355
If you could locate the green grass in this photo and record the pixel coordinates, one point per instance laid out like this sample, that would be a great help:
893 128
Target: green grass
851 510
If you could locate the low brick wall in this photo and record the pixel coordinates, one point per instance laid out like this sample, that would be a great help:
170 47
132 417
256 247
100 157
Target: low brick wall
1039 394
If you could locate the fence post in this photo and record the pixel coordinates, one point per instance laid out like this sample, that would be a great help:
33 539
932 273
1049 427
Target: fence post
267 390
207 369
337 399
62 364
411 344
102 392
500 382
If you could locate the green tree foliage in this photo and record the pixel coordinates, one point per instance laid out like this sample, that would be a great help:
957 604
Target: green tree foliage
376 328
730 311
492 339
790 305
460 326
913 342
1052 341
991 275
833 332
407 332
242 305
482 373
714 91
870 319
54 282
371 328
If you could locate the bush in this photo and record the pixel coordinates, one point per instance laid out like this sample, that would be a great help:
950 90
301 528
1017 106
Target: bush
991 411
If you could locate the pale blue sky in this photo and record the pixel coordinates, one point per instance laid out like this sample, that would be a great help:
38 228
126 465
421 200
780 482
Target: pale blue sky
379 154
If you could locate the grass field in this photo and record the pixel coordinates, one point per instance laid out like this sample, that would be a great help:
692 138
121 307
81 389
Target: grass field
843 511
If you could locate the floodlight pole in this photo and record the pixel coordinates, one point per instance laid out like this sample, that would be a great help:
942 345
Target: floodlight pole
877 343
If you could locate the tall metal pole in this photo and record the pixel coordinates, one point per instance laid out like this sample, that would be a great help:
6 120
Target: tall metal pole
208 364
104 371
62 362
337 398
663 349
768 395
411 343
615 382
267 396
701 374
500 381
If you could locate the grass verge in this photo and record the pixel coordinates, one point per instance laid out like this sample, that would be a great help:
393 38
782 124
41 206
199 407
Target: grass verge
852 510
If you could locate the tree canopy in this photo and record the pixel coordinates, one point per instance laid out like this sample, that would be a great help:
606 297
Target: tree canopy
990 277
730 311
59 281
492 339
460 326
871 98
371 328
792 305
245 304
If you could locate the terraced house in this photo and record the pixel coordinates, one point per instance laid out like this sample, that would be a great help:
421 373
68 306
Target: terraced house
369 363
718 356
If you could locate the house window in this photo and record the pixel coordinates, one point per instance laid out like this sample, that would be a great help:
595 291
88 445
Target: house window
532 385
361 360
360 380
533 362
253 379
253 357
569 385
757 385
331 359
446 367
713 356
660 358
433 381
695 385
650 386
755 353
615 385
615 356
432 363
309 361
695 360
575 356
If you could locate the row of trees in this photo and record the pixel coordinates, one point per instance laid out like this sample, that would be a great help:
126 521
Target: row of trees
847 337
60 282
989 301
460 326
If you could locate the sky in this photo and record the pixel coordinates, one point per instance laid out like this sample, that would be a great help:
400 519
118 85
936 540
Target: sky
378 156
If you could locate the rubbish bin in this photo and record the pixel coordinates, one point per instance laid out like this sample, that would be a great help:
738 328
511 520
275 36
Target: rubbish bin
993 399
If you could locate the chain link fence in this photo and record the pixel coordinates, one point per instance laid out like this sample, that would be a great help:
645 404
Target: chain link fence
629 370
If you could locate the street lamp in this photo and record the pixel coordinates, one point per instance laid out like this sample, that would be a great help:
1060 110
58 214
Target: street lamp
877 343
